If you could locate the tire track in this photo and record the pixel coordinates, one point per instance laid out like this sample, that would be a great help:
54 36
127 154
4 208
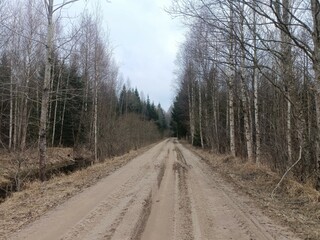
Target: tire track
183 212
105 210
106 218
134 220
159 225
221 212
166 193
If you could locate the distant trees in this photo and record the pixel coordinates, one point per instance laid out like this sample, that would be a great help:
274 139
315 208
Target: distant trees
59 86
254 65
131 103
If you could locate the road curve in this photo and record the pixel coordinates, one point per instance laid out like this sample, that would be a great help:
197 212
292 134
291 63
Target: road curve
166 193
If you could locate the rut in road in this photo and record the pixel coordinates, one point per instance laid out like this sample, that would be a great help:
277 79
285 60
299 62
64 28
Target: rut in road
198 204
166 193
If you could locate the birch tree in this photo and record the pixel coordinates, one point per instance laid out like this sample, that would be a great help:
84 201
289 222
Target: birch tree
244 96
255 86
49 5
257 51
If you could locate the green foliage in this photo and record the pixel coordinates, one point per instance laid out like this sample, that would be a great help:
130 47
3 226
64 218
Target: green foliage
179 115
5 72
68 99
130 102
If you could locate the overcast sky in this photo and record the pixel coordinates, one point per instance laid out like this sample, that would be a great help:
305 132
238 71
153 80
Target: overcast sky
145 41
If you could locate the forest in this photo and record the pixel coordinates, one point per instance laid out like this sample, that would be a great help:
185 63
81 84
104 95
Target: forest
248 82
85 154
60 86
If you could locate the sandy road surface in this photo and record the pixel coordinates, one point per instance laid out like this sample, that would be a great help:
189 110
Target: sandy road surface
165 193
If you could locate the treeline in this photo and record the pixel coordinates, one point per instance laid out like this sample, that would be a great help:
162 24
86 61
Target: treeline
59 85
130 102
249 81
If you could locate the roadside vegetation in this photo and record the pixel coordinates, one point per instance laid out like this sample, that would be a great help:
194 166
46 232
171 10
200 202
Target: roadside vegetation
248 82
37 198
248 96
293 204
61 93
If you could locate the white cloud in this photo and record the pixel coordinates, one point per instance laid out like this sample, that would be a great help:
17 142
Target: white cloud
146 40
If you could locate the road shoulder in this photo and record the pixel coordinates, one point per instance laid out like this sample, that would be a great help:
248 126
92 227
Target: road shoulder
295 206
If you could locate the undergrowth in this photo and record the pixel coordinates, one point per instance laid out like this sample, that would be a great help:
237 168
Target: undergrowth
294 204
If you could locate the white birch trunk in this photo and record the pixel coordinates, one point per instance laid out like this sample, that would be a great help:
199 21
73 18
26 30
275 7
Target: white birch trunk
216 120
289 129
246 122
45 95
248 132
96 121
56 108
230 85
191 113
286 71
255 87
231 117
11 107
15 129
200 116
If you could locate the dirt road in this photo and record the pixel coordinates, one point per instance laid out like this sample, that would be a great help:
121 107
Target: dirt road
165 193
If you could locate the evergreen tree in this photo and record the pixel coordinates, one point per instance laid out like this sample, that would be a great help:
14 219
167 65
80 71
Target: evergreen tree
179 116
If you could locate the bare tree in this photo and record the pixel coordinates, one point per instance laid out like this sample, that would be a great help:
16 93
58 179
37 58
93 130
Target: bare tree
46 84
244 96
255 86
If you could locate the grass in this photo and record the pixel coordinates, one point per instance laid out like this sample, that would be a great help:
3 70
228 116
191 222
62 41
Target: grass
22 208
295 205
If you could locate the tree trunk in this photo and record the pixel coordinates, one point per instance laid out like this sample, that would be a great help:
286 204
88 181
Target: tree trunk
246 123
11 107
45 95
200 116
55 108
231 117
289 130
15 132
230 84
24 116
282 12
315 8
287 75
245 104
255 87
191 113
317 100
96 118
215 118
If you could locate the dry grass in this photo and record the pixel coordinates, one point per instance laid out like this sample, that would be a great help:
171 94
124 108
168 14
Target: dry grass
26 163
26 206
294 205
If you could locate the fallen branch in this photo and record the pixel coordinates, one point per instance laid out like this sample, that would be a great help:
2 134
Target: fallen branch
285 174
